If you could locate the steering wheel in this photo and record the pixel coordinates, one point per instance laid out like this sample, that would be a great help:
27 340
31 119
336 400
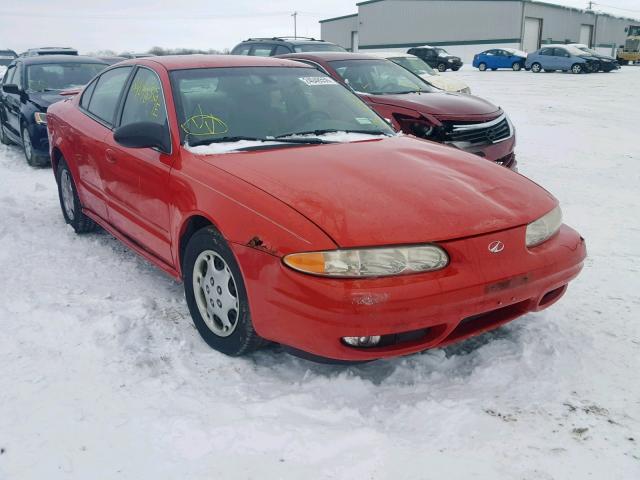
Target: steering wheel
306 117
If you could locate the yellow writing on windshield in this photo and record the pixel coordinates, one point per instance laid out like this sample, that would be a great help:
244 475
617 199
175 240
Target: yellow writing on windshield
202 124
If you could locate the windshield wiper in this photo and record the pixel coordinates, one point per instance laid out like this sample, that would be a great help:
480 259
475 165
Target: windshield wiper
331 130
239 138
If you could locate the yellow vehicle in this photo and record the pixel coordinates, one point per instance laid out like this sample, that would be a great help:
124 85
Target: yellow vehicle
630 52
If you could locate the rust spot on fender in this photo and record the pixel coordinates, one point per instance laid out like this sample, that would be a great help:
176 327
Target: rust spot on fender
257 243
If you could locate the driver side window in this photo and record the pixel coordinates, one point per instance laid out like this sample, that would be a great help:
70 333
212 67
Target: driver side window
144 101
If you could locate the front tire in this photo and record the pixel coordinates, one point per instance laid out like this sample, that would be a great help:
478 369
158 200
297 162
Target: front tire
70 202
536 67
482 67
216 295
455 69
442 67
3 135
33 159
576 68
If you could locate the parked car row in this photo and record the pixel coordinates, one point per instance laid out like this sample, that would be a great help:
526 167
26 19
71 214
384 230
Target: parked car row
575 58
282 193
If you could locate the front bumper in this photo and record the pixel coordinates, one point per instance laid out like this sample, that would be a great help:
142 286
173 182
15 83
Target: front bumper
477 292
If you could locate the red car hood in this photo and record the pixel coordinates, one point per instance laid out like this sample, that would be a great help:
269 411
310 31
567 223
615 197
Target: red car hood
400 190
446 106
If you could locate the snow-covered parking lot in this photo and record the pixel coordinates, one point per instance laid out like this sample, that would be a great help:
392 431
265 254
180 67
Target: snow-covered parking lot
103 376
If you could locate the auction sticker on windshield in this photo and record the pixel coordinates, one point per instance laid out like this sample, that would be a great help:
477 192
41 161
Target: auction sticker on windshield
314 81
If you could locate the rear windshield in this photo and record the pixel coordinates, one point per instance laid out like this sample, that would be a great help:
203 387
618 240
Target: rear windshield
318 47
266 102
379 77
45 77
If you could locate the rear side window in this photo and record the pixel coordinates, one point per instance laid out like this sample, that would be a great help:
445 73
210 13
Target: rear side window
86 95
144 101
262 50
281 50
106 93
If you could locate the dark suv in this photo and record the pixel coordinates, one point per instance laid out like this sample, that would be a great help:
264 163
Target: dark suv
29 86
437 57
268 47
35 52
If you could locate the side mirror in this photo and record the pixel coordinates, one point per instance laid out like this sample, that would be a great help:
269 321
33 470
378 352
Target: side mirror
143 135
11 88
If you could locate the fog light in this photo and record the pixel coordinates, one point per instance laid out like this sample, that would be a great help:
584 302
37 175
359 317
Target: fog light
362 341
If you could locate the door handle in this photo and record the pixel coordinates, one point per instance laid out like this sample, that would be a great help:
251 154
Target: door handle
110 156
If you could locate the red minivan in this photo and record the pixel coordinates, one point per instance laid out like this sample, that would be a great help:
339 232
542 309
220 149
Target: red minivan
293 213
464 121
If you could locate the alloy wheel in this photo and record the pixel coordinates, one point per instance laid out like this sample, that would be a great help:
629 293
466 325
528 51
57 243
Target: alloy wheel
66 188
536 67
216 293
26 144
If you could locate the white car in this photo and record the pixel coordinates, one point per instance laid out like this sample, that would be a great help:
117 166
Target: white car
423 70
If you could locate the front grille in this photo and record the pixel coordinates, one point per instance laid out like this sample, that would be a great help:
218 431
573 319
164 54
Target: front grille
479 133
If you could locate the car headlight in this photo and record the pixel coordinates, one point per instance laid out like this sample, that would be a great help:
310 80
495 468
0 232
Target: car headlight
544 228
450 60
465 90
371 262
40 118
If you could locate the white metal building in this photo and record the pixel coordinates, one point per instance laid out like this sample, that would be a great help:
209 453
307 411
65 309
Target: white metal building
466 27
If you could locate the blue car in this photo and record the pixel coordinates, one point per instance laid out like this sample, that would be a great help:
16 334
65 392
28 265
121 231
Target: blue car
500 58
29 86
561 57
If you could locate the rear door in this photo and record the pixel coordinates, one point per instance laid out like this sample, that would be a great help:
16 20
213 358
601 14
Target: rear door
136 179
99 102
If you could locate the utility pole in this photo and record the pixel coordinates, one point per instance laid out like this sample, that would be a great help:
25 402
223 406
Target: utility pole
295 24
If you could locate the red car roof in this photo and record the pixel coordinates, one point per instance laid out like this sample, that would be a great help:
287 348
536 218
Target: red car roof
181 62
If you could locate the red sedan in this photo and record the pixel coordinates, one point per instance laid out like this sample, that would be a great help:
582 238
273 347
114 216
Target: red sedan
463 121
294 214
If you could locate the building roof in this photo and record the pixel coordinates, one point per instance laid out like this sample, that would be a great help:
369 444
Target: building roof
546 4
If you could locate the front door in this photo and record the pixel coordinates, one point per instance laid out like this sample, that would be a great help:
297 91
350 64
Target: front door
136 179
13 100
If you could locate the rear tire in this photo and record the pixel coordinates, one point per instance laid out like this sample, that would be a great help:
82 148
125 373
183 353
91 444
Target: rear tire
70 202
442 67
536 67
482 67
516 67
216 295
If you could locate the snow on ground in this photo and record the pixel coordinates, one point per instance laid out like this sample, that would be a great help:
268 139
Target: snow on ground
102 374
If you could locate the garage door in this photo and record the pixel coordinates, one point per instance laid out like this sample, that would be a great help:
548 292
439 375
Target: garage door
586 35
532 32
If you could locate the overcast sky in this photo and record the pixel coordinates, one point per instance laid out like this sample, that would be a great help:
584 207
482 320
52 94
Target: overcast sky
137 25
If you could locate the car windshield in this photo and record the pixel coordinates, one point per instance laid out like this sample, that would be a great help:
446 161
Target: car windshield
441 52
414 65
379 77
318 47
587 50
574 51
44 77
265 103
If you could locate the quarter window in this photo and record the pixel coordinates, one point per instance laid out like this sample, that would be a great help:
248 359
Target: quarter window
105 96
86 95
144 102
242 50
